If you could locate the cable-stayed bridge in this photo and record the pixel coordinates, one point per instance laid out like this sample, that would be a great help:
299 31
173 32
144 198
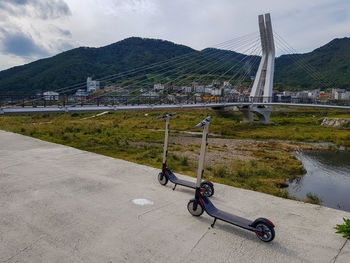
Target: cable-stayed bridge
254 55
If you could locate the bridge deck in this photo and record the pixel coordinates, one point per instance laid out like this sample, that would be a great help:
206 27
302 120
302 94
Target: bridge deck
159 107
60 204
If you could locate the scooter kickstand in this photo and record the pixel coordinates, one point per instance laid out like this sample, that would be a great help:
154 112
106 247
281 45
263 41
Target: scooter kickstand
212 225
174 187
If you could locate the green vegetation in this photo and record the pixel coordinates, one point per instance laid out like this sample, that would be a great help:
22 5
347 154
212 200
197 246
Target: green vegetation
344 229
313 199
134 136
259 174
72 67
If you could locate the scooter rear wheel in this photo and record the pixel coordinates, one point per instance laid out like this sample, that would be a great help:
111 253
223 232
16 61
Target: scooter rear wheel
162 179
267 233
190 207
208 189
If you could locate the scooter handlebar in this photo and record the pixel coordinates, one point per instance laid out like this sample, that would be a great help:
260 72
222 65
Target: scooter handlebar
166 115
203 122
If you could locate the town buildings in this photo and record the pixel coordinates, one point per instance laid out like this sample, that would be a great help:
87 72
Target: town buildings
51 96
92 85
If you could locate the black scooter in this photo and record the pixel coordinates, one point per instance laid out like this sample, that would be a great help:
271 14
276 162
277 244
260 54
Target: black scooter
166 174
263 227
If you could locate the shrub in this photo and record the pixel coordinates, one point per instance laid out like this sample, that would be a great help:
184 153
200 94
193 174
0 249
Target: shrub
283 194
184 161
253 163
313 199
253 183
175 157
344 229
244 173
220 171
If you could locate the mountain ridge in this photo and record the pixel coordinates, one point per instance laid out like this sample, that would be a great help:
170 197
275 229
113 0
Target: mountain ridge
73 66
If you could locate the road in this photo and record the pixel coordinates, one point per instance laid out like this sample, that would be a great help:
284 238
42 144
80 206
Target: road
60 204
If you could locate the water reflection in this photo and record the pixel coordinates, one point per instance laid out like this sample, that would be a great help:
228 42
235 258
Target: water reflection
328 176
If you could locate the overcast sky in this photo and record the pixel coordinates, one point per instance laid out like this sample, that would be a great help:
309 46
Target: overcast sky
34 29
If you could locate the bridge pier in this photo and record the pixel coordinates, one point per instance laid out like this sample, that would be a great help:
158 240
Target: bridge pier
262 112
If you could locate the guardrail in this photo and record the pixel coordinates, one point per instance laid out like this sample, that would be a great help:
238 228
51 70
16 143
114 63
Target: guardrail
158 107
14 101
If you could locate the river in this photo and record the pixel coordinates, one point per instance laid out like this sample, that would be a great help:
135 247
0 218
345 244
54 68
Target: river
328 177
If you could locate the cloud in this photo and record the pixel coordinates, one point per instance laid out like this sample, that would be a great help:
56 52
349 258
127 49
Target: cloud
64 32
20 44
61 24
44 9
33 29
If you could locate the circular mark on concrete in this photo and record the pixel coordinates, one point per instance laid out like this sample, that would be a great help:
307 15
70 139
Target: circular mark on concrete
142 202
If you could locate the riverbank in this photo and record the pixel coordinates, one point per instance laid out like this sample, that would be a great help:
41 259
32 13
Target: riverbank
238 158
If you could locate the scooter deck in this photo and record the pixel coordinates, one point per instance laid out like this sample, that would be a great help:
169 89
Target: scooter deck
224 216
172 177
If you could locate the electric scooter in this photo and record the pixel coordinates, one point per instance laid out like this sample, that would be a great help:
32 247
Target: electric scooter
263 227
166 174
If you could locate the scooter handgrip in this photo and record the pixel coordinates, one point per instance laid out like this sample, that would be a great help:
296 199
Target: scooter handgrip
162 116
166 115
203 122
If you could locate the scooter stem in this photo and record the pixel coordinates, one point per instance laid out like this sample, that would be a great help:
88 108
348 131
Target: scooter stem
166 138
202 154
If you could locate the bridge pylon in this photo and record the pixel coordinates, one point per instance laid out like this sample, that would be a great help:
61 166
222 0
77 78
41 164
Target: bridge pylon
263 84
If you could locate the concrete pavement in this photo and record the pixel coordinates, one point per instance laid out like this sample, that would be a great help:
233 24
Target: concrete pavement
60 204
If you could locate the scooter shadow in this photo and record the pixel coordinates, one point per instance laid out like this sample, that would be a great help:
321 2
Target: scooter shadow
190 191
248 235
180 188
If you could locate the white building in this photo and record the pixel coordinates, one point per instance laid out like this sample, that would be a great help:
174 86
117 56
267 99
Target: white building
187 89
198 88
81 93
216 92
313 94
345 95
158 87
340 94
50 95
92 85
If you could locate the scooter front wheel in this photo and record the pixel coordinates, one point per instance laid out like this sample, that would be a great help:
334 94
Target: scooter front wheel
162 179
266 232
191 208
208 188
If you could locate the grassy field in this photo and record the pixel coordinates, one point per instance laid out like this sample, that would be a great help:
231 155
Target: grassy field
239 157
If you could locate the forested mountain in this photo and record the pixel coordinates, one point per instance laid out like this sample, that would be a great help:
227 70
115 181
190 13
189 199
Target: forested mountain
328 65
332 61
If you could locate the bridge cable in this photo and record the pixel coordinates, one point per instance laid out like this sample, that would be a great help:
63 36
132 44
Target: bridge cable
308 65
158 75
144 68
246 56
214 70
304 65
